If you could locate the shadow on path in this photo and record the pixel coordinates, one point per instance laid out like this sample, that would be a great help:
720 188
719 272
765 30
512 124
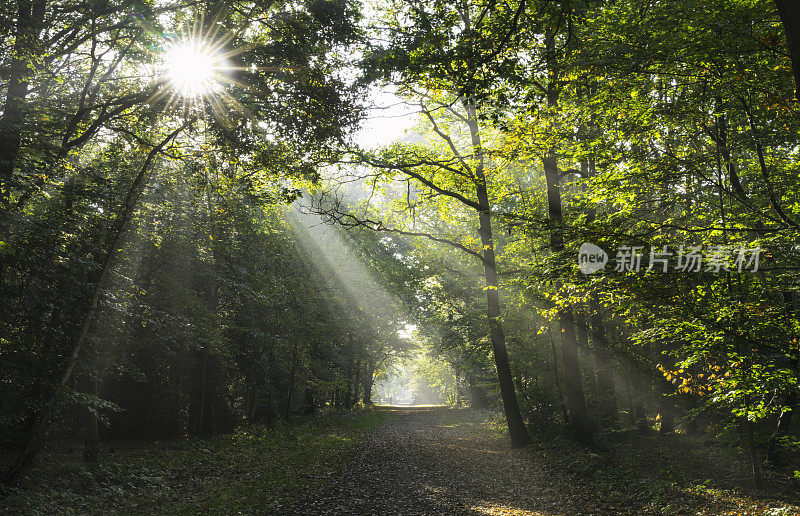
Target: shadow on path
435 460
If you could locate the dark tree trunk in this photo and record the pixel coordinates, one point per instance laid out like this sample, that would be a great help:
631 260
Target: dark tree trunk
576 402
557 381
782 430
789 11
356 383
290 389
754 461
348 390
369 380
582 334
91 437
28 21
251 405
640 416
309 402
201 406
516 426
667 422
476 395
605 382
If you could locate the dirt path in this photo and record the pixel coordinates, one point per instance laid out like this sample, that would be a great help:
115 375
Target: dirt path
440 461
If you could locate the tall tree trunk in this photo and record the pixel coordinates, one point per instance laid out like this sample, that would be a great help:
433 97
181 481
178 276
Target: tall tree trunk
201 407
91 437
309 402
667 421
356 383
348 391
582 334
369 380
605 382
476 395
28 20
516 426
290 389
573 386
576 401
754 462
782 430
251 404
792 402
789 11
557 380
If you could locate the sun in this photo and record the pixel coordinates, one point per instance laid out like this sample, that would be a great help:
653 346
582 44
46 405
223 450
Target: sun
193 68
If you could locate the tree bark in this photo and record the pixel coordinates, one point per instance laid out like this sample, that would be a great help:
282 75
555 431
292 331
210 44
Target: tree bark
369 380
582 334
91 438
29 16
576 401
605 382
201 406
290 390
789 11
516 426
476 394
309 402
667 422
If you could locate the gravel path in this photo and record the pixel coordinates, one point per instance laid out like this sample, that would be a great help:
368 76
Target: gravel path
440 461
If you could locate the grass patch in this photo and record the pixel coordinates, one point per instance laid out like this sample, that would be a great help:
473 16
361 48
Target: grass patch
254 469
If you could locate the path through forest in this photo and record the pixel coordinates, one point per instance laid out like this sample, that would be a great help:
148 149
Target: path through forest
407 461
438 461
444 461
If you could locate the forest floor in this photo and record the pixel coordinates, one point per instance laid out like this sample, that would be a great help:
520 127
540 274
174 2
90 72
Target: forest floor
402 461
445 461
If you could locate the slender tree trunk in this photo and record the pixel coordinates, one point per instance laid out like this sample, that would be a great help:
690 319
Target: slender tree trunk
572 376
270 415
309 402
348 392
605 382
91 437
516 426
582 334
476 395
754 462
640 415
28 20
667 422
369 380
290 389
576 401
356 383
792 402
782 430
251 405
789 11
201 408
557 381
